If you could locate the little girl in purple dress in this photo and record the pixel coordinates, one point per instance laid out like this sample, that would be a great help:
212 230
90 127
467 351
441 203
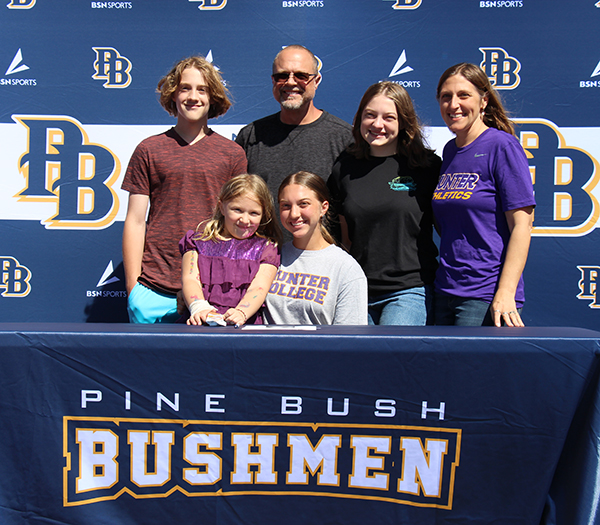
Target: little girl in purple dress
229 265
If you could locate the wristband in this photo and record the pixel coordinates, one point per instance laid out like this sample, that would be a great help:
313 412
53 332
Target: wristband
200 304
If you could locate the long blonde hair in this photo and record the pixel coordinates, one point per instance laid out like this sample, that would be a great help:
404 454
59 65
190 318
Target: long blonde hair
256 188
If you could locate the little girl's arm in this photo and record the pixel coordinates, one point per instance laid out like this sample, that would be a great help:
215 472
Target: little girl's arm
254 297
192 289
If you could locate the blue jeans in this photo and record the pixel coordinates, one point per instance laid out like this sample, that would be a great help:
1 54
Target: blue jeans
405 308
462 311
147 306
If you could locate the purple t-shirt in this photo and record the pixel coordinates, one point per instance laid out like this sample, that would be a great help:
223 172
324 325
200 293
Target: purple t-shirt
228 267
478 184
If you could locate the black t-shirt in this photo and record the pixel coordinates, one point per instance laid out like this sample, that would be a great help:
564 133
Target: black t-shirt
387 206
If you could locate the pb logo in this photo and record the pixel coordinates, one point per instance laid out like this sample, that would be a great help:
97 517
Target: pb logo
111 67
564 178
407 4
210 5
15 278
590 277
61 166
500 67
21 4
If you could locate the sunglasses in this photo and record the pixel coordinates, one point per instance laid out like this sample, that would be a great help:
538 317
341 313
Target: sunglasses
303 78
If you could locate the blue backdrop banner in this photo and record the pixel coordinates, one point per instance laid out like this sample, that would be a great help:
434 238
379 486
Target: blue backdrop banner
77 92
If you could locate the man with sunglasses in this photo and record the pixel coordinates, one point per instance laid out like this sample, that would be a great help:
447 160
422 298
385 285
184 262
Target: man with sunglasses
300 136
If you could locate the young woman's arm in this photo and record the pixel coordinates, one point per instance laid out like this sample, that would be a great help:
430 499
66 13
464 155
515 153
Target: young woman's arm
504 308
254 296
192 289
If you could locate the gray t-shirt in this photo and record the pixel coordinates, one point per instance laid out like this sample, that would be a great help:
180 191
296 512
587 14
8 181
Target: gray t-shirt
275 150
317 287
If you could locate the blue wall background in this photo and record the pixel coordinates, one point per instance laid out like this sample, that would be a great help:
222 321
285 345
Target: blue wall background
77 94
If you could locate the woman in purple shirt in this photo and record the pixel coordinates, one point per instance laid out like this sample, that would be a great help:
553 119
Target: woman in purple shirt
483 205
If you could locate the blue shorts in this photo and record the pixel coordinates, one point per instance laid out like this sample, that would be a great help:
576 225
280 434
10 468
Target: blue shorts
147 306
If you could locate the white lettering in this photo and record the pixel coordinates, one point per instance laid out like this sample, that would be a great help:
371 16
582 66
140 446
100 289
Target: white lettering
422 469
244 458
291 405
322 458
160 398
90 396
440 411
344 412
138 441
364 463
211 401
98 466
211 463
385 408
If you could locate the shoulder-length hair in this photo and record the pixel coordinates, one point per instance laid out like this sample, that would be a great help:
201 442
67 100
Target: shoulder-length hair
318 186
217 92
494 115
411 142
256 188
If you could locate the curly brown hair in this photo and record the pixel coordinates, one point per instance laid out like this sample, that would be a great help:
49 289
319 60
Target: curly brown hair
217 92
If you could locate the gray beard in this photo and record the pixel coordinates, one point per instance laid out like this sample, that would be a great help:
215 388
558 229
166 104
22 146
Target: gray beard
289 104
295 105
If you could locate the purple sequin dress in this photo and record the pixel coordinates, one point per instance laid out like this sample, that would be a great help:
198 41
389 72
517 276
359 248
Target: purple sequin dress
228 267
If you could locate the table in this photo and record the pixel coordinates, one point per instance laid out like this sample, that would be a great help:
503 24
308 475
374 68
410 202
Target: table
119 424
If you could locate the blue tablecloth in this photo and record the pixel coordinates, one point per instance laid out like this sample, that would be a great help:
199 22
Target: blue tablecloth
119 424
